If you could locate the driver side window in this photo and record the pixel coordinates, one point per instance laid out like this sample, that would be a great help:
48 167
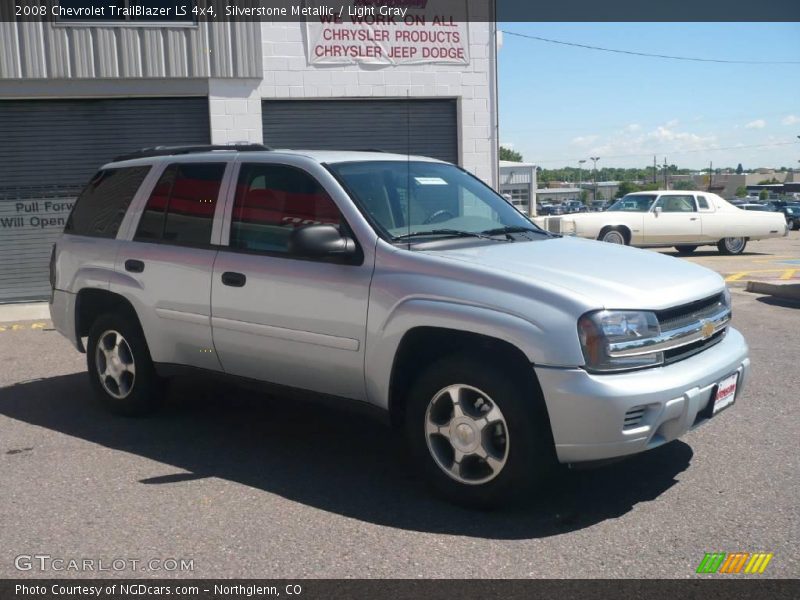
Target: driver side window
676 204
273 200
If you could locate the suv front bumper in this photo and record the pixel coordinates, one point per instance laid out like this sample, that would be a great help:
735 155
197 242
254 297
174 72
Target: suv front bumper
588 411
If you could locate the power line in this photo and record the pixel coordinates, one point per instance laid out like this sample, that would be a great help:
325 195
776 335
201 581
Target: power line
649 55
652 152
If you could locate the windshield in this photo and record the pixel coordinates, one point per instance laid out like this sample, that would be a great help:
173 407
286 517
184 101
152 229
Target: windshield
408 198
633 203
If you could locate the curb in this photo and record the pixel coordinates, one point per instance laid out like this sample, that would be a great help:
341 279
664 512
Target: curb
786 291
32 311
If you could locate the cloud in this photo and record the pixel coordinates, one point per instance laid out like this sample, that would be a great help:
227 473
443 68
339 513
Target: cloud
790 120
583 141
633 127
757 124
632 140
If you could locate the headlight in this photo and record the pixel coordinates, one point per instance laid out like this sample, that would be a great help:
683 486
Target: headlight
604 335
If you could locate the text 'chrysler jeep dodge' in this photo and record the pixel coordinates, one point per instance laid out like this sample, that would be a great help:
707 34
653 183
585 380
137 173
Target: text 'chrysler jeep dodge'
398 281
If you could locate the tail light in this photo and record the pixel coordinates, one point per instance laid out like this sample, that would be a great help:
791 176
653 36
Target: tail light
53 268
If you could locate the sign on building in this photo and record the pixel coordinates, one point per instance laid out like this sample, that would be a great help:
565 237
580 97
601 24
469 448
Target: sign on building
390 34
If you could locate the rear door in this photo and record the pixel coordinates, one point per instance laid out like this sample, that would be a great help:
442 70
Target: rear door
165 269
278 317
678 222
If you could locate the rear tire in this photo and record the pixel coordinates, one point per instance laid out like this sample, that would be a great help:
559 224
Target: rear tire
495 447
121 371
732 246
685 249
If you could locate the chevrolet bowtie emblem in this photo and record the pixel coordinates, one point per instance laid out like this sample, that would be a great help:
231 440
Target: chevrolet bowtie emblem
707 330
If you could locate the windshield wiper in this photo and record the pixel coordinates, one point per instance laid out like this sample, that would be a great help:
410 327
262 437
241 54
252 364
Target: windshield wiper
447 232
516 229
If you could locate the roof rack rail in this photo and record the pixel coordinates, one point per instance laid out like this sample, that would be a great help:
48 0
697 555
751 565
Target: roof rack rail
173 150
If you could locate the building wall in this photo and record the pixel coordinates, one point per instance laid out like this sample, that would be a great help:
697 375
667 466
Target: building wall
287 74
44 50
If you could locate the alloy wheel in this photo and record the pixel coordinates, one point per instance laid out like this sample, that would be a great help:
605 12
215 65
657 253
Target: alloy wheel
467 434
115 365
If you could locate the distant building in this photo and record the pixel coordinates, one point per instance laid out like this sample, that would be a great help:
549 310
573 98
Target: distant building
557 195
518 182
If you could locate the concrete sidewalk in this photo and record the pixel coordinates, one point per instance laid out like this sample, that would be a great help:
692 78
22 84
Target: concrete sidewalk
30 311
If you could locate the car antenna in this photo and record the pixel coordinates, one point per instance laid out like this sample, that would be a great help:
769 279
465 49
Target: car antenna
408 160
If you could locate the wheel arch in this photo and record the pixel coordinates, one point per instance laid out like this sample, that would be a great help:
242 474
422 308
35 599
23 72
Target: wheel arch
90 303
422 345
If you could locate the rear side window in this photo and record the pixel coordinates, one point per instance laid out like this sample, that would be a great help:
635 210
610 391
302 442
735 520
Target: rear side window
100 208
272 201
702 203
181 207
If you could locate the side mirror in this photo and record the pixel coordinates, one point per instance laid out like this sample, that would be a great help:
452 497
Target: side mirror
657 210
320 241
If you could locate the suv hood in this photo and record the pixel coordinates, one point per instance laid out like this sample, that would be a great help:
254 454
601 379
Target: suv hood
603 275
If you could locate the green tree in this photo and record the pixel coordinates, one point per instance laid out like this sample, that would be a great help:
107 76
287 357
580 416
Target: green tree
509 154
739 169
683 185
741 191
584 196
763 195
626 187
768 181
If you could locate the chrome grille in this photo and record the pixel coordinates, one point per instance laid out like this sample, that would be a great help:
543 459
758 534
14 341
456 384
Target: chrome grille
685 330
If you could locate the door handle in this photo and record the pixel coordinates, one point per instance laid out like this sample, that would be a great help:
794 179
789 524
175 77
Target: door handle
134 266
693 219
234 279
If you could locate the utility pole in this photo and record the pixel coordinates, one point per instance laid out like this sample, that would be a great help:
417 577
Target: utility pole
580 167
594 160
655 170
710 174
666 170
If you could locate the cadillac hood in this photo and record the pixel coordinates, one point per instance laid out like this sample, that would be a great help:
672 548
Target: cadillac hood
598 274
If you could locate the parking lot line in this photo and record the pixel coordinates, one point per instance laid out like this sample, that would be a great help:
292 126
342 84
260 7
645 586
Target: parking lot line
788 274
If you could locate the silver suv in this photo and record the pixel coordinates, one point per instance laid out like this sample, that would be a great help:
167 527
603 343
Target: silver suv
402 282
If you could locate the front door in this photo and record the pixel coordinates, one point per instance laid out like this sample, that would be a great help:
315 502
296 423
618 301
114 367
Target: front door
277 317
677 221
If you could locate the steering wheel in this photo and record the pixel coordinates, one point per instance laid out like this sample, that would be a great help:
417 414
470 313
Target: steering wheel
434 218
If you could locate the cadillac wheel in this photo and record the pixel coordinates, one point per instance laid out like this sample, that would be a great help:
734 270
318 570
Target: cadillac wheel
479 430
120 369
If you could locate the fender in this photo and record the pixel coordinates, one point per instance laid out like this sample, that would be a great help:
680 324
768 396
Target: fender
382 343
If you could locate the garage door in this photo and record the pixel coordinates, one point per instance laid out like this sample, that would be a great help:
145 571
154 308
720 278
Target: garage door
426 127
50 148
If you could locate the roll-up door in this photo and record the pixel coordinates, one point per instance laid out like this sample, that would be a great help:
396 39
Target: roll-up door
49 149
428 127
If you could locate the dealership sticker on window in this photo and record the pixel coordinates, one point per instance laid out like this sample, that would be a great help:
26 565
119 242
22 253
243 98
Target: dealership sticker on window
430 181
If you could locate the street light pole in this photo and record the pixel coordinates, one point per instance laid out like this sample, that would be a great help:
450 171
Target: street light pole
580 167
594 160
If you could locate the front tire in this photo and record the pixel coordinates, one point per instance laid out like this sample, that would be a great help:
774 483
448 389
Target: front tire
480 434
121 371
685 249
732 246
613 235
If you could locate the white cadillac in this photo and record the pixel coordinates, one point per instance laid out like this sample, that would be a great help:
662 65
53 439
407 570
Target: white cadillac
682 219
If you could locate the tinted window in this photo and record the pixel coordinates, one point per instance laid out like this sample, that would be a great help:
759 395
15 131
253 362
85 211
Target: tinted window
100 208
181 207
274 200
702 202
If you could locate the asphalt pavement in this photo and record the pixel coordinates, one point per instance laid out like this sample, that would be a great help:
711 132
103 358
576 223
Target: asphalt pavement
246 485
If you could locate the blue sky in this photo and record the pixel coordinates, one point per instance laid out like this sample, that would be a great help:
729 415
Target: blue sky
559 104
